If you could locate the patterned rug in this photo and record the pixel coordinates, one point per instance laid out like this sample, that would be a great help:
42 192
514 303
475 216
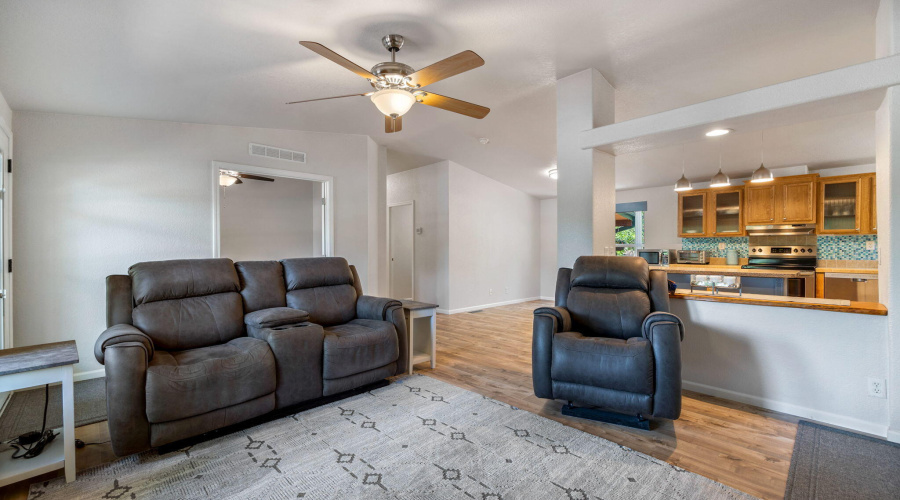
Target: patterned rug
416 438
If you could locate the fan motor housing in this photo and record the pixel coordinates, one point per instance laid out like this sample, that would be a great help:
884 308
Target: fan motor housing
392 72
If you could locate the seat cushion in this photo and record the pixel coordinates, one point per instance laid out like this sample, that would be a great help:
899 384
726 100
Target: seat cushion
358 346
622 365
182 384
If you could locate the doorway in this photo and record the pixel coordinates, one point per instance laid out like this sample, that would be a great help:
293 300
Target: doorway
401 250
270 214
6 333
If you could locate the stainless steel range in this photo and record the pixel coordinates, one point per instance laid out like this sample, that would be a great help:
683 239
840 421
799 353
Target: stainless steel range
788 258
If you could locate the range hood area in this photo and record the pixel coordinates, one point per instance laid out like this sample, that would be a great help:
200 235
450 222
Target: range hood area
781 230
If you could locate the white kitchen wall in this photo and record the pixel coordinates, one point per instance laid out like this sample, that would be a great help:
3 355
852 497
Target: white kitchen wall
548 248
268 220
428 186
95 195
494 242
5 112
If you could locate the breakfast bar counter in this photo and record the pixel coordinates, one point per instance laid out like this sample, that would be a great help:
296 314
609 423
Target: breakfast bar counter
730 271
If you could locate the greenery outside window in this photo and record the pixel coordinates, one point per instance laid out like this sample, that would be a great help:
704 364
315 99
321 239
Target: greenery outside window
629 232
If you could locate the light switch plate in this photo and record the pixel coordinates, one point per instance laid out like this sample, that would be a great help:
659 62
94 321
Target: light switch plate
870 245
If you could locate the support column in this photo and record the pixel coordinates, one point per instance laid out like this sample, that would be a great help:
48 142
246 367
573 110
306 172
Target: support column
586 184
887 163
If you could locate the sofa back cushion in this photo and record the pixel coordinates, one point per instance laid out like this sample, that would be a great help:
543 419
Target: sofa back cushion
323 287
262 284
184 304
608 296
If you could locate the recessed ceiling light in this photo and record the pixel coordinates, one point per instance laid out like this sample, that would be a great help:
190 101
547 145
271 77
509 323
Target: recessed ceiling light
553 173
484 140
716 132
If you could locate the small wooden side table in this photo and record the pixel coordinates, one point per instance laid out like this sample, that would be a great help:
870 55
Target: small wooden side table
24 367
422 333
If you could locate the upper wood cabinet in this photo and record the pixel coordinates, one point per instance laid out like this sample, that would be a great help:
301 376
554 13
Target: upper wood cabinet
725 211
786 200
693 214
847 205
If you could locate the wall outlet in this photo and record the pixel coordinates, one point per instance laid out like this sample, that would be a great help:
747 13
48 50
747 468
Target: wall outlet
876 388
491 291
506 290
870 245
721 246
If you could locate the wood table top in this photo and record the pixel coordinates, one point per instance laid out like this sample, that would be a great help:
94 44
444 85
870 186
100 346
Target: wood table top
37 357
413 305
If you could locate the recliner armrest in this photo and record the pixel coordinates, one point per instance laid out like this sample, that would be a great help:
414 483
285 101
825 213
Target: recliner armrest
121 334
275 317
368 307
563 318
655 321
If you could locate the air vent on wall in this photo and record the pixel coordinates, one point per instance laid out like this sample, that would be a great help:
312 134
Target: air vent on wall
277 153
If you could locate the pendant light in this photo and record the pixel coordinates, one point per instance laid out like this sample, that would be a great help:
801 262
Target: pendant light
762 174
720 179
683 184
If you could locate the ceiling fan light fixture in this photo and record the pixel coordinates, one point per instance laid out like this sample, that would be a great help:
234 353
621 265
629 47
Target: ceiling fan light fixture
226 180
393 102
719 180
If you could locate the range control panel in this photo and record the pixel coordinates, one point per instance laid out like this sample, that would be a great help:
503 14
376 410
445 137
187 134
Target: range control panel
793 251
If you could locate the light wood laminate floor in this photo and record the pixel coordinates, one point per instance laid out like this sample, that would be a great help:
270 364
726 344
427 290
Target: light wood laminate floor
489 352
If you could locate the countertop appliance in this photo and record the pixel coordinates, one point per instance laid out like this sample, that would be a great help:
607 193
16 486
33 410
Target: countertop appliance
691 257
656 256
788 258
855 287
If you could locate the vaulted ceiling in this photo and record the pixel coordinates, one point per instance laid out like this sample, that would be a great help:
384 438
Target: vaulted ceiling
236 62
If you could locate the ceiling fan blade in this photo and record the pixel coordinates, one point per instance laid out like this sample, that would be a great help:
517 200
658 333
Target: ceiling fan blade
453 65
326 98
392 125
327 53
255 177
455 105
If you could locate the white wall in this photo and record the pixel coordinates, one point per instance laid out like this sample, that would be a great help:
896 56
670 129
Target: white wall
428 186
548 248
661 217
5 113
95 195
809 363
494 242
268 220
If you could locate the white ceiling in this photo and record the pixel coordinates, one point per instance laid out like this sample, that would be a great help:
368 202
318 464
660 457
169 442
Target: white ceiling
236 62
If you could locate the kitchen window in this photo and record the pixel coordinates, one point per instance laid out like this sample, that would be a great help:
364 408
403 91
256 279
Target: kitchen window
629 231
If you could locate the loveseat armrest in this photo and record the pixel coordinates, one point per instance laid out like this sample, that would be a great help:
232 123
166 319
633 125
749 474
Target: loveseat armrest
298 352
563 318
276 317
665 331
368 307
121 334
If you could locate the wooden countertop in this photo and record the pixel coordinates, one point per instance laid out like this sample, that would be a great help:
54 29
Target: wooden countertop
730 271
843 306
847 270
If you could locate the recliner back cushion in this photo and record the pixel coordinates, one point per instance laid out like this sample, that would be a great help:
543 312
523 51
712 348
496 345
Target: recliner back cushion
183 304
323 287
262 284
608 296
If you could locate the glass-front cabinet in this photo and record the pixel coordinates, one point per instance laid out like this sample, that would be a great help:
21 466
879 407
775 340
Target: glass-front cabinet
726 212
692 214
846 205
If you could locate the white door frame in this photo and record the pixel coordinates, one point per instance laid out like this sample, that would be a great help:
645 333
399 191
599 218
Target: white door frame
327 180
391 262
6 146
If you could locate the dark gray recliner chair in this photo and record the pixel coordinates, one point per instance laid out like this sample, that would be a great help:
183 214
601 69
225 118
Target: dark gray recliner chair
610 343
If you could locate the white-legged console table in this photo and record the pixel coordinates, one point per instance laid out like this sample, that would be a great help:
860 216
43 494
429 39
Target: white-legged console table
24 367
420 321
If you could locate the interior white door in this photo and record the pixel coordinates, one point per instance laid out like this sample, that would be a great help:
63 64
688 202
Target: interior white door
401 221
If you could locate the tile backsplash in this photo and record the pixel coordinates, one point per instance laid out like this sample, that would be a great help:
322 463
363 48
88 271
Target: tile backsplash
838 247
711 245
847 247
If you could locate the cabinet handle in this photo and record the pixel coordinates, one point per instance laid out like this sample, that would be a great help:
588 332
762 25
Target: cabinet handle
859 280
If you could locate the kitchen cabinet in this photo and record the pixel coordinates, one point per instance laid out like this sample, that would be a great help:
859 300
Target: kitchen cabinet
847 205
725 210
693 214
786 200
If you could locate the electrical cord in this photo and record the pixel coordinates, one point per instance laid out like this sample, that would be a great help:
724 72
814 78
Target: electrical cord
31 444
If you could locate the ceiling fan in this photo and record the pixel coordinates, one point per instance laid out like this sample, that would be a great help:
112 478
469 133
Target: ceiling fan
232 177
397 86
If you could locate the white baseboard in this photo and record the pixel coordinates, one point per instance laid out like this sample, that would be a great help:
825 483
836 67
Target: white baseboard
485 306
548 298
893 436
89 375
800 411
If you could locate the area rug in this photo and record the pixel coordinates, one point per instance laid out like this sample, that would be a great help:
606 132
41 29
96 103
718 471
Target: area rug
831 463
416 438
25 410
